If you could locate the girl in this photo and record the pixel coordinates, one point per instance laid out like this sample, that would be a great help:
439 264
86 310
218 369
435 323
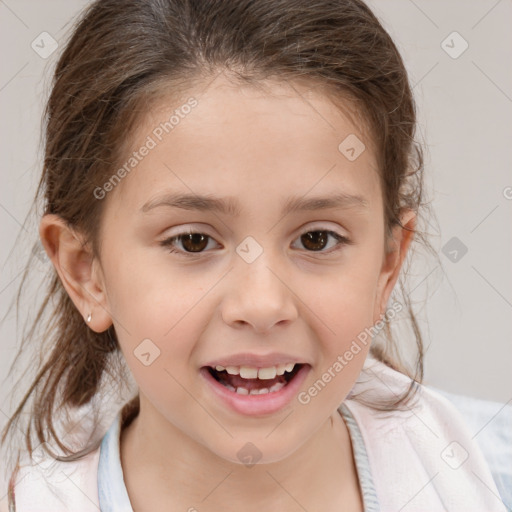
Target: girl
230 190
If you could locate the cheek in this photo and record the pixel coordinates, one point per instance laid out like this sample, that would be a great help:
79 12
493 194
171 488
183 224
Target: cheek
342 313
345 300
150 292
159 305
163 318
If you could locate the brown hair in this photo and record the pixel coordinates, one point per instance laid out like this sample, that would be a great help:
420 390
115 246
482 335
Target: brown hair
118 60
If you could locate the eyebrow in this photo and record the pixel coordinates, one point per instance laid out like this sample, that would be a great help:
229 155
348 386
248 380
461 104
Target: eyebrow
231 206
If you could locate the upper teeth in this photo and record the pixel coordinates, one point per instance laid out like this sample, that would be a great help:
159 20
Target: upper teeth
249 372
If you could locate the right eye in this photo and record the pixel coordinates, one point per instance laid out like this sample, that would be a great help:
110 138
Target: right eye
192 241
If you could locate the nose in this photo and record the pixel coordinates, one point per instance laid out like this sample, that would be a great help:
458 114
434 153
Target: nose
258 294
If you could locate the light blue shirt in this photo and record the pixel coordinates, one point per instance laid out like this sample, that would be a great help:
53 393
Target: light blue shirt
491 423
112 493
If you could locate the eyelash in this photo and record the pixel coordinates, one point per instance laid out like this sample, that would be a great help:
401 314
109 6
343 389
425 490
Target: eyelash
169 242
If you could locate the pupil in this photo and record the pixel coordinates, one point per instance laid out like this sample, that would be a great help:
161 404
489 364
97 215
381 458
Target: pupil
317 239
194 238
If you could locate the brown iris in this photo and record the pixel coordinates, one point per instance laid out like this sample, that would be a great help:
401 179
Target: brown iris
314 240
189 240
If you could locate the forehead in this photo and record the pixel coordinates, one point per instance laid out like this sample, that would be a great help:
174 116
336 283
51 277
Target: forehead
276 140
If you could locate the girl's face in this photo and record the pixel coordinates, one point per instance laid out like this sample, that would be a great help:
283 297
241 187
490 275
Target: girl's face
265 284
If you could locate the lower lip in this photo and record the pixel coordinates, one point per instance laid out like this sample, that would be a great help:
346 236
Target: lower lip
257 405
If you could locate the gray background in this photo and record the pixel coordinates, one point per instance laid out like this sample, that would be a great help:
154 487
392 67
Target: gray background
465 107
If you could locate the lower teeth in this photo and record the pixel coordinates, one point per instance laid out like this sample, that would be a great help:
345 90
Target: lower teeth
242 391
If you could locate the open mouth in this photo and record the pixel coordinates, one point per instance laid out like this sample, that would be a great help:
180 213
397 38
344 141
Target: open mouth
254 386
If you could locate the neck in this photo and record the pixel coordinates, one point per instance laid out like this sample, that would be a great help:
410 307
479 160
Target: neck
164 465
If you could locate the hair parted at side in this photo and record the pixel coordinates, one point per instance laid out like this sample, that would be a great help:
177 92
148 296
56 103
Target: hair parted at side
123 55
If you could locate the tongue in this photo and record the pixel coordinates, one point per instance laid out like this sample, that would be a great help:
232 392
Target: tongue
249 384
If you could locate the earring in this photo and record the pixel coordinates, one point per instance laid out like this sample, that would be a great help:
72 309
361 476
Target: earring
89 317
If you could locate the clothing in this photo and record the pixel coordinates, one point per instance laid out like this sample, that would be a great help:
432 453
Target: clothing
421 458
490 423
496 441
424 457
364 473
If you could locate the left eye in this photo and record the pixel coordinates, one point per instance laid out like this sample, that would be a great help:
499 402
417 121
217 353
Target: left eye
317 240
196 242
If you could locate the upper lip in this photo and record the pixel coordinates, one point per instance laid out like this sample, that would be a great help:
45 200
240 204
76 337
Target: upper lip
256 360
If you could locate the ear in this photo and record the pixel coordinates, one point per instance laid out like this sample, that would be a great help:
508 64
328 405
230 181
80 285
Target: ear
79 272
397 247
